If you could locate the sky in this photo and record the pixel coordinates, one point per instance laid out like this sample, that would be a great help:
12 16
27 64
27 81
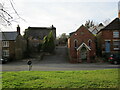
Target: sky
66 15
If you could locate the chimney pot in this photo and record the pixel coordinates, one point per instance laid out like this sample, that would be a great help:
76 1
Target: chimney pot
18 30
119 9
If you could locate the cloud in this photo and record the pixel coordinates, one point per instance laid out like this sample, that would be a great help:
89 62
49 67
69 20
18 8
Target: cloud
65 15
45 1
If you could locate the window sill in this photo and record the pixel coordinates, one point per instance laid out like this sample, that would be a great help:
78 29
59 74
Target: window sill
5 55
5 46
116 49
116 37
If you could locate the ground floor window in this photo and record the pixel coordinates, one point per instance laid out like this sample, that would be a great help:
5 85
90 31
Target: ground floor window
5 53
116 45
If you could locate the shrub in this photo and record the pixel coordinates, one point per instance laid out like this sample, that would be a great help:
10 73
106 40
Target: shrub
48 43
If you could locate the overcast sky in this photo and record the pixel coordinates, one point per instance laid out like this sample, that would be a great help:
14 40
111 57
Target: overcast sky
65 15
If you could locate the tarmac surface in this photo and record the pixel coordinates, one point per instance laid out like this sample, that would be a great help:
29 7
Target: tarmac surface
56 62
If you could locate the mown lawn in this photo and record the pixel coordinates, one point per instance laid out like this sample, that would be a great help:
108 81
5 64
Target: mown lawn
61 79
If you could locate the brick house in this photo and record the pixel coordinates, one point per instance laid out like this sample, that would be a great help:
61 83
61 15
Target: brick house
81 45
13 45
35 35
108 38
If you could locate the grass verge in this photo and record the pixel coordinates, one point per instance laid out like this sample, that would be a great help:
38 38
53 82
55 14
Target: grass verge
61 79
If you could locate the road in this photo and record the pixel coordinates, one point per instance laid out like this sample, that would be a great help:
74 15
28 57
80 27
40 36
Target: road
57 62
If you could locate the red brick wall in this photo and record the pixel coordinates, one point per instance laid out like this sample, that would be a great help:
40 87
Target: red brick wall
82 35
106 35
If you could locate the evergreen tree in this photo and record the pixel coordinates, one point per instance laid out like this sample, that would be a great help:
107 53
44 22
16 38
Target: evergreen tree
45 44
49 44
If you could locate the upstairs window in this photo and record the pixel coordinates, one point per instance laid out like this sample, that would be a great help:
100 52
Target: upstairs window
5 43
115 34
89 43
75 44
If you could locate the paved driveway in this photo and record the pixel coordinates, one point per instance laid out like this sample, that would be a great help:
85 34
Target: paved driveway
60 56
57 62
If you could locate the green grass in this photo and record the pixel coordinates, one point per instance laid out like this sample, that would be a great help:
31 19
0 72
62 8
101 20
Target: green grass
61 79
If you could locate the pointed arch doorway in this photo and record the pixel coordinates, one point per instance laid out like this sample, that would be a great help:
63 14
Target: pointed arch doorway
83 52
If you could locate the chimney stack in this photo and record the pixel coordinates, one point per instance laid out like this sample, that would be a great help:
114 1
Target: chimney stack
119 9
18 30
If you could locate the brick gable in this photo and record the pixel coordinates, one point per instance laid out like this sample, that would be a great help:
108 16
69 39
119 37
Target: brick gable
82 35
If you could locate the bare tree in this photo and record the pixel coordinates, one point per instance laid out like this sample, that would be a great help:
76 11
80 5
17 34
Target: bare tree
106 22
8 13
89 24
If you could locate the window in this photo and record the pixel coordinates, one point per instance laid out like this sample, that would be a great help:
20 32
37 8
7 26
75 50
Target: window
75 43
116 45
89 43
5 43
116 34
5 53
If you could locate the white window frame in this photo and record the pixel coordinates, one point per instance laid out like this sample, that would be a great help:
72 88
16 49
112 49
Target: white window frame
5 53
116 45
116 34
5 43
107 40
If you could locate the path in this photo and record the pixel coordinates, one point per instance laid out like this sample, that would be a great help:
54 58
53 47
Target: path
59 57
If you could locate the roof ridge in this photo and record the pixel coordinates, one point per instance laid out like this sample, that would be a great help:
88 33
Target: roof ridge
115 24
8 31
